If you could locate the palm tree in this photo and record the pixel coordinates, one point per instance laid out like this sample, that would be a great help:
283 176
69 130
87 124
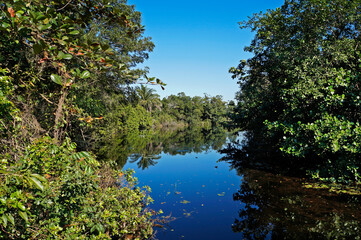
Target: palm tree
148 98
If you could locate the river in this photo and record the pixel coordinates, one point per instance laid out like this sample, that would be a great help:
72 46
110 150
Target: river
211 199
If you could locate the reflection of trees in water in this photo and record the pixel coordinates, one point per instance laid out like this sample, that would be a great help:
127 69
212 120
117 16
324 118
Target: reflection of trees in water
277 206
144 160
146 146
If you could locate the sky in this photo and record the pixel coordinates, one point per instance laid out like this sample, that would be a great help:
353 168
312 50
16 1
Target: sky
197 41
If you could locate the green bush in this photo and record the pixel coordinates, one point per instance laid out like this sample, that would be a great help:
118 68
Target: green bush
54 192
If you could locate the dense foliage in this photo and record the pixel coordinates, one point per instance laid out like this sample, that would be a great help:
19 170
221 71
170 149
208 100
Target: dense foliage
54 192
204 111
302 86
63 65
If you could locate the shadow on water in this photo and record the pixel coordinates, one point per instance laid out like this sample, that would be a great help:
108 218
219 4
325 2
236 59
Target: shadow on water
279 206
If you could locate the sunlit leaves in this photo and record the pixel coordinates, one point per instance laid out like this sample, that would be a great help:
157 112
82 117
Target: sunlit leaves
62 55
56 78
85 74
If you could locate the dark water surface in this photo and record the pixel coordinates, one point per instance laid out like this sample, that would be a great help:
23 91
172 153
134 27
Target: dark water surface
211 199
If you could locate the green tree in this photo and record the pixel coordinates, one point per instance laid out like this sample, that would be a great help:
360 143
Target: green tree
148 98
63 64
301 87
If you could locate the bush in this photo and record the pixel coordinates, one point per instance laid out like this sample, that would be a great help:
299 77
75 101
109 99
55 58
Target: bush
55 192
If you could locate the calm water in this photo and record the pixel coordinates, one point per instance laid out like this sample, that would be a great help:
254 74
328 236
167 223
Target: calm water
197 191
213 200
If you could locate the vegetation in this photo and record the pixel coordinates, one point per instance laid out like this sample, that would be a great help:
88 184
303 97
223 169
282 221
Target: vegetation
63 65
301 89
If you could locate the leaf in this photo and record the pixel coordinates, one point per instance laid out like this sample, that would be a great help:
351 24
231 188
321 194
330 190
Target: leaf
75 32
57 79
41 178
11 11
24 216
21 207
93 229
40 17
5 25
99 227
5 220
67 56
37 183
44 27
85 74
11 219
62 55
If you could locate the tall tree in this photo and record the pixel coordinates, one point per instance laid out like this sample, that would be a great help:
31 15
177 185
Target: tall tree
148 98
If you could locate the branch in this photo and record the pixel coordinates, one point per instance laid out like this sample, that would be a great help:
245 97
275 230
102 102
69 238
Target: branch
46 99
64 6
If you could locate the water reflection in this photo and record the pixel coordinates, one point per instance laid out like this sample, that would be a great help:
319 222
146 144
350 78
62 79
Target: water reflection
281 207
145 147
144 160
189 183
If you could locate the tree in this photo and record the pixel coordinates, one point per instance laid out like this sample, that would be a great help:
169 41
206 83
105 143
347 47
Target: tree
63 58
302 84
148 98
63 62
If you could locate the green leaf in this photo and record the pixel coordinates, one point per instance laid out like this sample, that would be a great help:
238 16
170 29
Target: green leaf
11 219
5 220
85 74
99 227
40 17
44 27
93 229
57 79
37 183
5 25
75 32
67 56
24 216
21 207
41 178
62 55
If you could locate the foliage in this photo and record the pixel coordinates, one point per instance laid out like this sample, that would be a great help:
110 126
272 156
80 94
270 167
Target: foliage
68 58
302 86
56 192
147 98
198 111
64 64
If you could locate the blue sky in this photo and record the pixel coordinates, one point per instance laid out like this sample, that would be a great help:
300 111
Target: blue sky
197 42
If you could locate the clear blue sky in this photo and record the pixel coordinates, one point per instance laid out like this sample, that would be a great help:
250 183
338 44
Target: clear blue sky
197 41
